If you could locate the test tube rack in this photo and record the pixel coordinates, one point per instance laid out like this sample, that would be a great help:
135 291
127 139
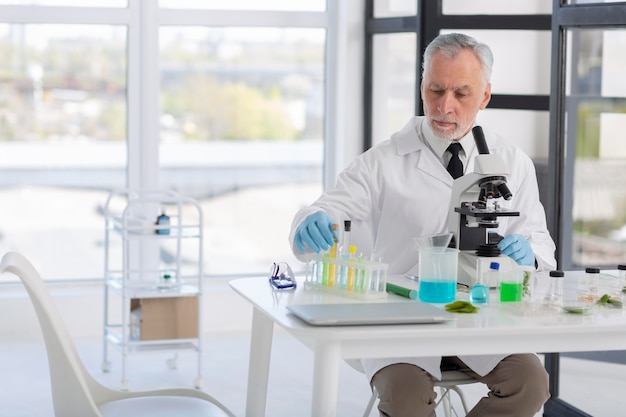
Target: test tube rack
354 277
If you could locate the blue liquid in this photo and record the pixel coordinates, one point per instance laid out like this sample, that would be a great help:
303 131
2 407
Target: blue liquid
437 291
479 294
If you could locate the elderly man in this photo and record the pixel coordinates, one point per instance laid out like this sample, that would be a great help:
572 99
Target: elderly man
401 189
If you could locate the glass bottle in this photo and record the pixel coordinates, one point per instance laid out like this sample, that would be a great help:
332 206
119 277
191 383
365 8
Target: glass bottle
163 220
621 274
555 291
588 284
479 293
492 275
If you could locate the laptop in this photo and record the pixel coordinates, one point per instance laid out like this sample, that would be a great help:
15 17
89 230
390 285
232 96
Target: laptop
369 313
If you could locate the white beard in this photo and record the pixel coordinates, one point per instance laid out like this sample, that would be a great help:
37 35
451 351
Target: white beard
457 134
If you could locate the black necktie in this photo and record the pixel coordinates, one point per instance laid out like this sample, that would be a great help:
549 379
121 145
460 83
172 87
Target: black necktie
455 166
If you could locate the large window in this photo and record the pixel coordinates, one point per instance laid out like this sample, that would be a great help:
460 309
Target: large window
399 32
587 156
63 117
596 119
81 3
223 104
242 128
393 93
588 116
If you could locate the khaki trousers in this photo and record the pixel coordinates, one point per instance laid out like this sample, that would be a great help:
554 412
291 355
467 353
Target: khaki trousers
518 387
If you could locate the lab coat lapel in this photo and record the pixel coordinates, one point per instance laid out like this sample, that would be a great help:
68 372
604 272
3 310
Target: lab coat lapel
430 165
408 141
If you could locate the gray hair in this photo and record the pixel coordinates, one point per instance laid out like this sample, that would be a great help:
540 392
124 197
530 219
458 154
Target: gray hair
451 44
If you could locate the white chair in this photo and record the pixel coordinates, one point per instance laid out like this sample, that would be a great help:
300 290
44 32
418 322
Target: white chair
75 392
450 381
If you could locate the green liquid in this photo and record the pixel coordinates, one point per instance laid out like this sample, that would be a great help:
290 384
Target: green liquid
325 271
510 291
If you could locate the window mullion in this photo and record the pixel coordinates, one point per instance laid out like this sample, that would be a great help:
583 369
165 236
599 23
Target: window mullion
143 96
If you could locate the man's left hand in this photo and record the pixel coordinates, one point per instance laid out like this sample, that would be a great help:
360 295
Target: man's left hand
517 248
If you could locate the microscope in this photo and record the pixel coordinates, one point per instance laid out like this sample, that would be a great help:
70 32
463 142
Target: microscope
474 211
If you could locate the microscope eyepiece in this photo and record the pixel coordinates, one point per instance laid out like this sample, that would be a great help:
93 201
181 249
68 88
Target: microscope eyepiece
479 139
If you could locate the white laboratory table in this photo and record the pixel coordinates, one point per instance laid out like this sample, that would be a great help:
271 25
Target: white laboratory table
496 328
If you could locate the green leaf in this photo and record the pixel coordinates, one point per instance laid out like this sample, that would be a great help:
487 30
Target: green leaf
606 300
575 310
462 307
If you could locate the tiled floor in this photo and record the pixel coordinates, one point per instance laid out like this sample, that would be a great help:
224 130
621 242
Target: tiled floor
597 387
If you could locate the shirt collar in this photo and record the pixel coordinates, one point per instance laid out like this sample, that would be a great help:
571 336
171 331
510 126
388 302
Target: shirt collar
439 146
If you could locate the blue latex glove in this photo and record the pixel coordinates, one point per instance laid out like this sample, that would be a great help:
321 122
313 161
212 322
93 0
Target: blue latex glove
517 248
316 230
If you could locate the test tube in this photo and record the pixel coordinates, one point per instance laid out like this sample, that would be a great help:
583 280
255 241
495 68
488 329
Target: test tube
332 265
373 275
365 276
380 282
309 271
359 275
319 271
325 267
350 280
343 252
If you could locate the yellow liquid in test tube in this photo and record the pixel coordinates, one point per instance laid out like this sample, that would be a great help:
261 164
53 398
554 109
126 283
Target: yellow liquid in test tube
350 283
333 255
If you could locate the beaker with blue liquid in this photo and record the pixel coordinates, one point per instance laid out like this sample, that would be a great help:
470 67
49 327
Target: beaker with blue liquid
437 269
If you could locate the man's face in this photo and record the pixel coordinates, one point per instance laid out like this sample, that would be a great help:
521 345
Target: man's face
453 92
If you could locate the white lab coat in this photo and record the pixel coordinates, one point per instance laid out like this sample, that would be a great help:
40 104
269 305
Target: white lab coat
399 190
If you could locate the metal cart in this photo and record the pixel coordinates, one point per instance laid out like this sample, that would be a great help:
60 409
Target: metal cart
152 293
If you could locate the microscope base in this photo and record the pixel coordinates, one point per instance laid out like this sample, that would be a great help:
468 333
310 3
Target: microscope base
468 262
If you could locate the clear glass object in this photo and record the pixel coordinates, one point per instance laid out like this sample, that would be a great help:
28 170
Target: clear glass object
343 251
528 282
440 241
555 291
390 8
588 284
621 274
479 293
491 277
595 97
511 286
63 118
437 274
393 83
267 93
487 7
272 5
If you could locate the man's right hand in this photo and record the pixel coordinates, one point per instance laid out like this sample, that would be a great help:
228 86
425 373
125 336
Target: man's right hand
316 231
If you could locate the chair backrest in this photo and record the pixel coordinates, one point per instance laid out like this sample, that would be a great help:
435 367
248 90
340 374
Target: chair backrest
70 381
